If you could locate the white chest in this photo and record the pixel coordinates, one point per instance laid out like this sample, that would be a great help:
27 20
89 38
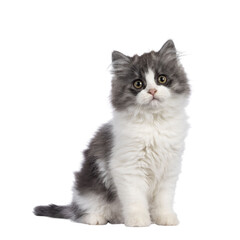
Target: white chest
149 146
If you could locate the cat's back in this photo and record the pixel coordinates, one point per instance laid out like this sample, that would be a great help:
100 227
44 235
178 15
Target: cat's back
101 144
93 176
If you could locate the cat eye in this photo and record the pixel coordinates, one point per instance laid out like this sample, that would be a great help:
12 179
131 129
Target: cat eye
162 79
138 84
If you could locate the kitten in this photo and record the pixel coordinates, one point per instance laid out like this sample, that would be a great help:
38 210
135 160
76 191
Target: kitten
132 163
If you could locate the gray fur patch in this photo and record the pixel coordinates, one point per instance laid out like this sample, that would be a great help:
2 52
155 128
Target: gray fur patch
90 179
68 212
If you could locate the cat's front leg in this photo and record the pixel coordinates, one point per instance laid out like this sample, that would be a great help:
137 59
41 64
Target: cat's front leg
136 214
131 189
162 212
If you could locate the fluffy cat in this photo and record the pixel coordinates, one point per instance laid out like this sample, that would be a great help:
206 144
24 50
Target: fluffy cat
132 163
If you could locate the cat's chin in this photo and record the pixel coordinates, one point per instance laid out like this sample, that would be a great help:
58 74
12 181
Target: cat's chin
155 101
155 104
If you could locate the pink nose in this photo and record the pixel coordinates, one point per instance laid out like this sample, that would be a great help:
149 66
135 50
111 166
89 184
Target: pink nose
152 91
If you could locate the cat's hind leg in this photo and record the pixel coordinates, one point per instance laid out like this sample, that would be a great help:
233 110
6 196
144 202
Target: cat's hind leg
96 210
93 219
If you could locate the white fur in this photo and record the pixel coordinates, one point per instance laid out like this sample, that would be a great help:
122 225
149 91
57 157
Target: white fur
145 161
146 156
102 167
97 210
150 79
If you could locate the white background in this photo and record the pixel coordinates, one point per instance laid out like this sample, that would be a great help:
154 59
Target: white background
54 94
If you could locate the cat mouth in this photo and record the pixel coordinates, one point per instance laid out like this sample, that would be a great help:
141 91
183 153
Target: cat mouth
155 100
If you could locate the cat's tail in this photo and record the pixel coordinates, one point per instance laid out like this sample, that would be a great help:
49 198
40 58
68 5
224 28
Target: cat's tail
54 211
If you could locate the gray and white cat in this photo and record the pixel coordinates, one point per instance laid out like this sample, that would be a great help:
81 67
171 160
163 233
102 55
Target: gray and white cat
132 163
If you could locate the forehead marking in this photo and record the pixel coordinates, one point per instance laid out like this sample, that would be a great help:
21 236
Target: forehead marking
150 79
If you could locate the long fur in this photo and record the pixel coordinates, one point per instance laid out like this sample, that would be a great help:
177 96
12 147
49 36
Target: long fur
133 162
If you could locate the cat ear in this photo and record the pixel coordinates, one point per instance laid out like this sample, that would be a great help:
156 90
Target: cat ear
168 49
117 56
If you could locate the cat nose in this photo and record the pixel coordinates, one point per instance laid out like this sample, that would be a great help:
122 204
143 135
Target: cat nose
152 91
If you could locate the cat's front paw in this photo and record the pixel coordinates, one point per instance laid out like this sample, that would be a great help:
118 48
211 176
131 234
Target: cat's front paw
138 220
166 219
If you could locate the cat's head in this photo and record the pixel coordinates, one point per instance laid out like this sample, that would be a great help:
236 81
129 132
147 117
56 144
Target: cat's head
149 81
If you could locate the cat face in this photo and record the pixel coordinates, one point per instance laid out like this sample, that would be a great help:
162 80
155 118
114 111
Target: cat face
148 81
